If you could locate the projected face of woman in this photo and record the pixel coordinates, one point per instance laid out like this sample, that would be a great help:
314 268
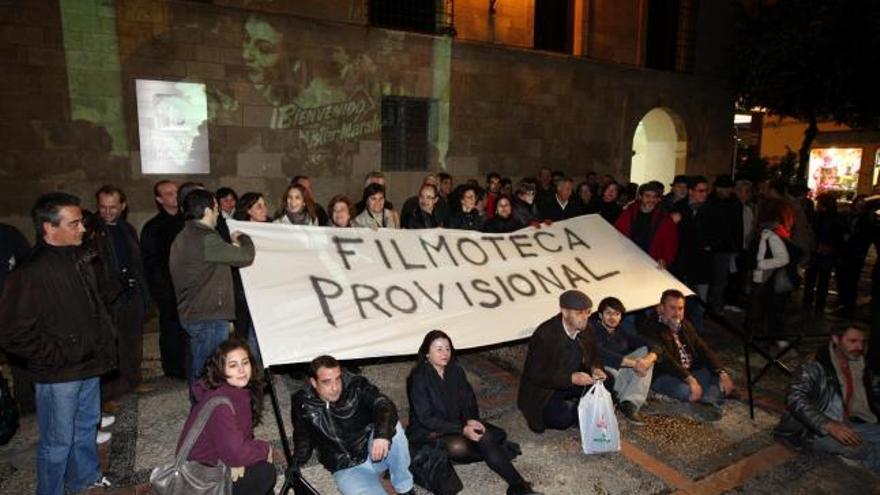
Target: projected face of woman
295 201
261 51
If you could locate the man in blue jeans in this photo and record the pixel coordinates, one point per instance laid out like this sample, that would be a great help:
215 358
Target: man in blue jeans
354 428
51 315
200 264
686 369
830 406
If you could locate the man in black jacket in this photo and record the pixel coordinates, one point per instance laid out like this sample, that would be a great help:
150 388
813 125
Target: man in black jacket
355 429
125 287
51 315
561 362
560 206
156 238
686 368
829 404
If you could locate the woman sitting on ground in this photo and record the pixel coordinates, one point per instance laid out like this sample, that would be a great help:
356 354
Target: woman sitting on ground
503 221
443 414
228 436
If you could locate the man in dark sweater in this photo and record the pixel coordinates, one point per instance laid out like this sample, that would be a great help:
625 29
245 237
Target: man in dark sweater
126 288
560 364
156 238
53 317
628 358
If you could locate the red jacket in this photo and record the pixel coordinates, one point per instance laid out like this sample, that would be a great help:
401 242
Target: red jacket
664 235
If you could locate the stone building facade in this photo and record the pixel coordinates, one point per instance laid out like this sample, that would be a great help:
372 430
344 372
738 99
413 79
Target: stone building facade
307 87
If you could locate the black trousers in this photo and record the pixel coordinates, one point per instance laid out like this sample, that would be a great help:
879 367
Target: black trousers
172 344
128 316
489 449
258 479
560 412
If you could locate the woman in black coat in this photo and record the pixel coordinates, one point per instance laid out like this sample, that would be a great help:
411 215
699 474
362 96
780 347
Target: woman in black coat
503 221
443 413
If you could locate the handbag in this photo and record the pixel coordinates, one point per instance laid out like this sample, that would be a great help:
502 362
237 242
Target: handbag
432 469
597 421
184 477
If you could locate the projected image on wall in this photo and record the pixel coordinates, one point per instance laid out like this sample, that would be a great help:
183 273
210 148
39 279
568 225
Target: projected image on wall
834 169
173 127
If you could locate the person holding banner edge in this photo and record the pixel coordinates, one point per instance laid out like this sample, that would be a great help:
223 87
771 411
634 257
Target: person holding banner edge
561 362
443 413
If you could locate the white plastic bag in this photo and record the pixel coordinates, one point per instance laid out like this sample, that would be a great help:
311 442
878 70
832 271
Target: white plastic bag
598 423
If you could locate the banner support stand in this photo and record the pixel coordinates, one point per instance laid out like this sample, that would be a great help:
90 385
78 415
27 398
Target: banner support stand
292 476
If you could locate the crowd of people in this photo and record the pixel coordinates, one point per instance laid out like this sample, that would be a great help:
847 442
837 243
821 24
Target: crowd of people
72 312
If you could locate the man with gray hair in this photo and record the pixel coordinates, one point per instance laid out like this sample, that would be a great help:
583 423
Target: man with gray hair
52 316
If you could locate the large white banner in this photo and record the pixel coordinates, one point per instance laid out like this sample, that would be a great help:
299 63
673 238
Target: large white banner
357 293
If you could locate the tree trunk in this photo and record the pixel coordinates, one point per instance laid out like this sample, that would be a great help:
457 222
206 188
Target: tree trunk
804 152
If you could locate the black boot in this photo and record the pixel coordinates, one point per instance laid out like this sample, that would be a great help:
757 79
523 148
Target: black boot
523 488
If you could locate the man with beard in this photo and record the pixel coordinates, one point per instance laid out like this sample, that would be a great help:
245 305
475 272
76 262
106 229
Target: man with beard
561 362
829 404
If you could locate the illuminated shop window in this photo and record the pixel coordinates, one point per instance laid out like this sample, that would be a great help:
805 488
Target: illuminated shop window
834 170
405 132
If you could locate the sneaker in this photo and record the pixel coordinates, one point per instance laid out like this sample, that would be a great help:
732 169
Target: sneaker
107 420
103 437
631 413
103 482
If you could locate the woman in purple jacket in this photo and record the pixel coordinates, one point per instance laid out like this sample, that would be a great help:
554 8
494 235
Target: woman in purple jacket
229 435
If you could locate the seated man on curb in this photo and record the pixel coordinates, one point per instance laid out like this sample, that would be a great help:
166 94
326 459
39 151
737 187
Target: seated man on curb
560 364
687 370
355 429
628 358
829 404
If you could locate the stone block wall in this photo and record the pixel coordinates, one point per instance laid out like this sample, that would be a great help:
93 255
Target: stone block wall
309 102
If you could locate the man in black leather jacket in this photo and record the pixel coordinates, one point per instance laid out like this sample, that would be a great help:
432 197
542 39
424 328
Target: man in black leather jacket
829 403
355 429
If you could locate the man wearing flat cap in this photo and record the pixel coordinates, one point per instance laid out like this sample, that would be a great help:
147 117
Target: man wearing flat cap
561 363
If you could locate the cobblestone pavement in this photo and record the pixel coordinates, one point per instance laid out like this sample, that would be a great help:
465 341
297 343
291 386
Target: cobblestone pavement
675 452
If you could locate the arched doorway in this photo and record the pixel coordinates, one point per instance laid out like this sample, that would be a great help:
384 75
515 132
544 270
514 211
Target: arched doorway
659 147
